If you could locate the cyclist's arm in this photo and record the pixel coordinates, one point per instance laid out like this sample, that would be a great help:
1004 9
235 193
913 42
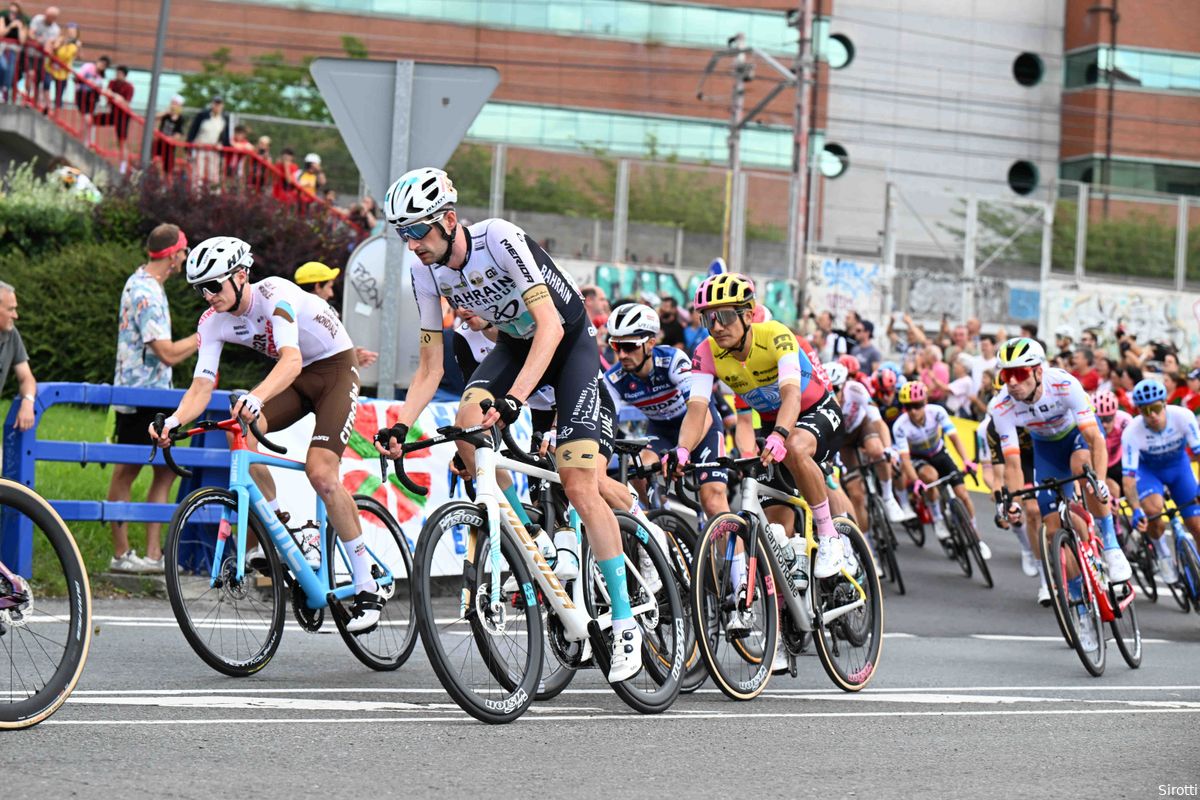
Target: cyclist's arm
1099 447
907 468
743 434
795 371
547 333
427 378
1130 453
1000 410
172 353
281 376
194 400
702 377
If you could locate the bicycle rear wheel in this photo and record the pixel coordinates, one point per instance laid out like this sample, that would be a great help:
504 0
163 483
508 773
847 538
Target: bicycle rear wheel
234 624
488 660
850 643
960 535
739 661
682 540
1076 612
45 617
971 539
916 528
1189 570
1124 625
1134 544
885 541
389 644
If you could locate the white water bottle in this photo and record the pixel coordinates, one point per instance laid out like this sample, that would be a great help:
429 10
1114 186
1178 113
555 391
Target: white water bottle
567 543
785 544
549 551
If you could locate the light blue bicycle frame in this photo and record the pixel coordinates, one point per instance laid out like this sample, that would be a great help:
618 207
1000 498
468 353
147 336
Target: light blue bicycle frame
250 500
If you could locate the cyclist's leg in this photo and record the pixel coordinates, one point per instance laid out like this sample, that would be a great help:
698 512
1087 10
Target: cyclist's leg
714 496
854 485
814 439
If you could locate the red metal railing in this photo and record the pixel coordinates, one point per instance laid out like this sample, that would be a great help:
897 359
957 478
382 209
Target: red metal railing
110 127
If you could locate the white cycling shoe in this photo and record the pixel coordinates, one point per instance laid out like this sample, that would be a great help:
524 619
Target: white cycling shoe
985 551
649 573
1043 596
831 557
1117 565
1167 570
780 665
895 513
626 654
1084 627
940 530
1029 563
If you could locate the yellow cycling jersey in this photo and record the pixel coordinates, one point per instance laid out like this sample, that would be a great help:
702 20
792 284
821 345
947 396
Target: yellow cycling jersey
775 358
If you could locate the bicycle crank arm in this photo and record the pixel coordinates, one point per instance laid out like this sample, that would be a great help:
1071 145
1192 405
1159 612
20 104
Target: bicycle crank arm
600 651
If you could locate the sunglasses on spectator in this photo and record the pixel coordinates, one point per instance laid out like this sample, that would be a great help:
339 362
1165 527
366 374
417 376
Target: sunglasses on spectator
629 345
210 287
723 316
1153 408
418 230
910 406
1018 374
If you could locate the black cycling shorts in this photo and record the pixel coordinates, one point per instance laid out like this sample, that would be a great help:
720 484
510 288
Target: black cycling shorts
823 419
944 464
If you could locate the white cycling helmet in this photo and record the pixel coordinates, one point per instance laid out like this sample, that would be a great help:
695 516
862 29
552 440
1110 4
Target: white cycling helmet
837 372
633 319
1021 352
217 258
418 195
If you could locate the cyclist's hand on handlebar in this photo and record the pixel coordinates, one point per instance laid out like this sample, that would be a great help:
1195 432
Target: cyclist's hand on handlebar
675 461
970 467
1139 519
1014 512
247 408
1100 489
389 441
459 468
549 439
918 486
505 409
162 438
774 449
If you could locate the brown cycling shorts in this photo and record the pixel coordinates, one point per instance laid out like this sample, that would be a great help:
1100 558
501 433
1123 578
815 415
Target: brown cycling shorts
327 388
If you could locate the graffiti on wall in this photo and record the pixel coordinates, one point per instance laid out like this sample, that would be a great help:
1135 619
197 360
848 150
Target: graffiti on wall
1150 314
840 285
630 281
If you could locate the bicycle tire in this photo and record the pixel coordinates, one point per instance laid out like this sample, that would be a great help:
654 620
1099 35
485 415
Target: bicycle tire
740 672
1142 563
479 693
189 581
682 538
664 631
916 528
860 632
1188 563
1053 577
389 644
971 538
959 535
881 528
1126 631
1065 541
50 536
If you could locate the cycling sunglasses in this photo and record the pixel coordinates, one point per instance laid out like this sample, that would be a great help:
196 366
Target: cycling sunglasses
722 316
1153 408
210 287
629 346
418 230
910 406
1017 374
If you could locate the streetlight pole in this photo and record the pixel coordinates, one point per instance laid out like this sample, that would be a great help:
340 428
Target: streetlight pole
160 44
1113 19
798 205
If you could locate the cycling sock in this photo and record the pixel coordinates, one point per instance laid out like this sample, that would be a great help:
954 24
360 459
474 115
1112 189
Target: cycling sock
823 521
1018 529
1075 588
935 509
1108 534
273 503
613 570
1042 573
737 571
905 503
514 500
360 565
886 487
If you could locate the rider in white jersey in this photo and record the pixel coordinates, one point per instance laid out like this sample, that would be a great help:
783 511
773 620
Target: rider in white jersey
316 371
545 338
1052 406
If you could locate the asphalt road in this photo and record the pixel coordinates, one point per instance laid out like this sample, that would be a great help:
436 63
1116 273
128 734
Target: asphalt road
976 696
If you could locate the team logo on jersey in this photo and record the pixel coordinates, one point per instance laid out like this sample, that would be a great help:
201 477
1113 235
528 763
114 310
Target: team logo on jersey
785 342
475 278
445 289
490 273
633 386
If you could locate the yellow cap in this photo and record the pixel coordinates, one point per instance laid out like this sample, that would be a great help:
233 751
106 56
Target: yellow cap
315 272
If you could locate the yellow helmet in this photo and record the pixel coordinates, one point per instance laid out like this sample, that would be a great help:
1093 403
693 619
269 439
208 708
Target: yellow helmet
912 392
726 289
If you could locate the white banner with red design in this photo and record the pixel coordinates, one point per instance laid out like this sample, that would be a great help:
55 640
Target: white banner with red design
360 472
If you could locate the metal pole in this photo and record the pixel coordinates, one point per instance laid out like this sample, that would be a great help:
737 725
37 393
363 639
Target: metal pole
735 211
737 232
620 212
1081 226
889 246
394 272
798 196
1047 241
1181 244
968 272
160 45
496 196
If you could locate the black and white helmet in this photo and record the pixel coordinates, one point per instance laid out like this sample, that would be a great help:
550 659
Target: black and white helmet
418 195
633 319
216 258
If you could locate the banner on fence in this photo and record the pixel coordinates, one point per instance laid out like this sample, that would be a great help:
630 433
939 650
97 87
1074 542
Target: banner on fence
360 472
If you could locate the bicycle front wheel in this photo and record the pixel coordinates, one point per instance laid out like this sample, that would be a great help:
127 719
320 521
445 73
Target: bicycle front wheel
885 541
849 621
389 644
681 538
970 538
1124 625
960 533
488 659
234 624
1080 614
45 617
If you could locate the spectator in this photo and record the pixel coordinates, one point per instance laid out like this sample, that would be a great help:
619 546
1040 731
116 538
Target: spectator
242 147
317 278
974 328
1176 388
986 361
119 93
259 166
1064 337
1192 399
1105 367
145 356
360 217
672 328
1083 368
960 342
1170 362
1088 339
13 31
866 351
59 68
1030 331
89 81
171 124
987 390
14 357
371 208
1128 377
43 30
285 182
595 301
311 180
210 129
934 373
907 342
836 342
962 387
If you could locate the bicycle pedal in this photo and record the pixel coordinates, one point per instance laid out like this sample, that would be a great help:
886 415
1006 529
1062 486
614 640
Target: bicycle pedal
337 609
600 649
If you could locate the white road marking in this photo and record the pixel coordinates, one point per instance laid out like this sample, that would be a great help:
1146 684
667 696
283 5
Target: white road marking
227 702
1004 637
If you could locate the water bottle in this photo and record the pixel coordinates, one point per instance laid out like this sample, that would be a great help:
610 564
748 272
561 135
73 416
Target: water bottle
785 544
544 543
566 541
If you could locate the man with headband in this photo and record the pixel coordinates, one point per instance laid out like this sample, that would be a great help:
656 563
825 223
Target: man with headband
145 356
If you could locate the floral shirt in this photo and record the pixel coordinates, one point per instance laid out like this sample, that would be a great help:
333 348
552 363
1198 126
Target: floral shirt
145 318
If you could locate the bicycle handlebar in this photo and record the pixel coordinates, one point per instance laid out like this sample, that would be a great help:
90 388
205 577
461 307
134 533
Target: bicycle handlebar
179 434
1054 485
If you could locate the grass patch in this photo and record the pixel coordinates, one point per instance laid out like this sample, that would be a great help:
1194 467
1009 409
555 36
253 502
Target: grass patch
70 481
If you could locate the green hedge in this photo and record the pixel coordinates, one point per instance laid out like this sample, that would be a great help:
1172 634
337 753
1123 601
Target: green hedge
38 217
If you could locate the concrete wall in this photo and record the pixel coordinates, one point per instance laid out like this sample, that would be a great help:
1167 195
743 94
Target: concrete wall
25 134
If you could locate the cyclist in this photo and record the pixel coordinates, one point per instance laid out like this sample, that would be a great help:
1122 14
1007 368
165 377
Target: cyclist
922 433
657 381
888 381
1114 419
316 371
1051 404
765 365
1154 454
861 430
544 338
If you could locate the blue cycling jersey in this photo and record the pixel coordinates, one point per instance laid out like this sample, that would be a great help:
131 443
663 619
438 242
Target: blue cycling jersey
660 396
1141 446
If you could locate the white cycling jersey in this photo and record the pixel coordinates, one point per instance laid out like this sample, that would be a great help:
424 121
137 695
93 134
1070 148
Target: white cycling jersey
497 282
926 439
1063 406
281 314
1139 444
857 406
481 345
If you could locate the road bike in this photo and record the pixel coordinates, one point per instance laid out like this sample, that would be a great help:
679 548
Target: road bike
842 614
883 534
232 613
487 646
1186 590
963 543
1069 553
45 612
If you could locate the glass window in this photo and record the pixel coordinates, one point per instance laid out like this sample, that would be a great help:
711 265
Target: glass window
565 17
1145 68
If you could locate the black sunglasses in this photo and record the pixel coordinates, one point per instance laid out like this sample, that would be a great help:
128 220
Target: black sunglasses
628 347
210 287
913 405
